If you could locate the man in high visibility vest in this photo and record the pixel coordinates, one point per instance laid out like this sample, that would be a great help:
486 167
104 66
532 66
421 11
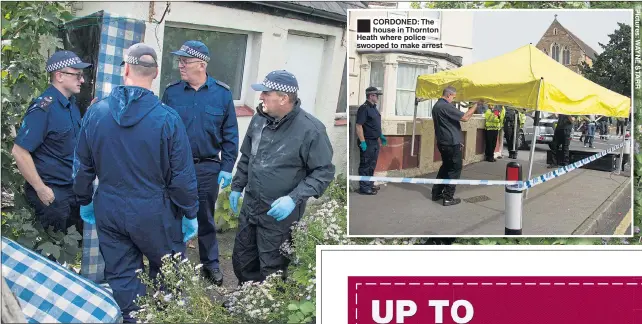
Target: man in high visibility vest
494 121
509 130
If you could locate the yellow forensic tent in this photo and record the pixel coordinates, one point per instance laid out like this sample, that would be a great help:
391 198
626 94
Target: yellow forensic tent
516 78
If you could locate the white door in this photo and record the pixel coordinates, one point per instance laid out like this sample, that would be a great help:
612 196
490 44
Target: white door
304 59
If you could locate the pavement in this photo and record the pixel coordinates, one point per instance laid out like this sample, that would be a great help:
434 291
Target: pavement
582 202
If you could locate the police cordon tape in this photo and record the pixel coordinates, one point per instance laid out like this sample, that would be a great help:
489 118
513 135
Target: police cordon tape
514 185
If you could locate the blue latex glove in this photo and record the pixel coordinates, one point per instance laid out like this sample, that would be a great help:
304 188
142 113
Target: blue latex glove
281 208
234 200
87 213
226 176
363 146
190 228
384 140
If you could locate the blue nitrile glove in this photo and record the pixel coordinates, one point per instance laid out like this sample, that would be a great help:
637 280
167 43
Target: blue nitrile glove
234 200
190 228
384 140
227 178
87 213
363 146
281 208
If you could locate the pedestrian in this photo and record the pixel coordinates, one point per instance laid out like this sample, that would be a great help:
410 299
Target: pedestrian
450 143
286 158
590 131
368 127
510 131
562 137
206 107
494 120
620 126
147 200
44 145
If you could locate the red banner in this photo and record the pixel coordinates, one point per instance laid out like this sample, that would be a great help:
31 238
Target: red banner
495 300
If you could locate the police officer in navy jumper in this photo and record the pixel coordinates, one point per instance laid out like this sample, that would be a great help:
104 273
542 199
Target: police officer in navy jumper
286 158
368 127
44 146
207 110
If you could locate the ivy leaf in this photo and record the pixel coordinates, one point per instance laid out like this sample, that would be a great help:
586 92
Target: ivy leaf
50 248
294 318
293 307
66 16
22 90
307 307
73 233
226 204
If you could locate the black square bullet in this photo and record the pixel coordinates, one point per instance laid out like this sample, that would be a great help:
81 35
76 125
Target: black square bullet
363 25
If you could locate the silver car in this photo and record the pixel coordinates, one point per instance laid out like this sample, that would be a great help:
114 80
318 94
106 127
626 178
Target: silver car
544 134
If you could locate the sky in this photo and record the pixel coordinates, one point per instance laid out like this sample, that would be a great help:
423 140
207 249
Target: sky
498 32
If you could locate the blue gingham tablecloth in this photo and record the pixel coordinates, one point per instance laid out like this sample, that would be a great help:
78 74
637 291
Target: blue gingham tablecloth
50 293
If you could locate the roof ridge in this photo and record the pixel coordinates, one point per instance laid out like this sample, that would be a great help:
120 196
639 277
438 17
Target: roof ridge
585 47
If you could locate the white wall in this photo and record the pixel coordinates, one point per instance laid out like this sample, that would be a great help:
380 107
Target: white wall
456 37
268 39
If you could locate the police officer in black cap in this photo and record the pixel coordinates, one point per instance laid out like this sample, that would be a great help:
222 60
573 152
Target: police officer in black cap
44 146
368 133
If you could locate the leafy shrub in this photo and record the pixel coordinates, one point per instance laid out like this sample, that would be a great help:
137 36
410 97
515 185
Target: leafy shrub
224 216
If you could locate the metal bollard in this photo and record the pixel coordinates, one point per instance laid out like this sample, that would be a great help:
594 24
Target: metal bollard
513 201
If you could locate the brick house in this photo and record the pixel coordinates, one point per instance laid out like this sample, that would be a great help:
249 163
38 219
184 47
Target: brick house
563 46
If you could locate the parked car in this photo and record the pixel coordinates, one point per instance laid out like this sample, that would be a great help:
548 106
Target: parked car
544 134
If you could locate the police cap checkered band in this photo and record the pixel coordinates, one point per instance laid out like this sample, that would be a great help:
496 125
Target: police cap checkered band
195 53
63 64
279 86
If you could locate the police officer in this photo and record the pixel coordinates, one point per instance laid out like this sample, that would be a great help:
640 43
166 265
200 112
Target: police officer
562 137
147 199
509 130
368 127
286 157
450 142
494 121
207 110
44 146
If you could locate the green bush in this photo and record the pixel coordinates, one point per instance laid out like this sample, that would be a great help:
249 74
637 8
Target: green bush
224 216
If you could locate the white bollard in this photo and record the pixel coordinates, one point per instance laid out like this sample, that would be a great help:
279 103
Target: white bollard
513 201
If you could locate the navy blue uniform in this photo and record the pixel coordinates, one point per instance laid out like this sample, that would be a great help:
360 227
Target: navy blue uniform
210 119
49 132
369 117
139 150
292 156
446 118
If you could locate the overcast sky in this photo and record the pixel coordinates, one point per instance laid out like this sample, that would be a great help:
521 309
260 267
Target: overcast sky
499 32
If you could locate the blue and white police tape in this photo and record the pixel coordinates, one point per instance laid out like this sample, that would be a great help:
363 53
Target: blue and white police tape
437 181
565 169
515 185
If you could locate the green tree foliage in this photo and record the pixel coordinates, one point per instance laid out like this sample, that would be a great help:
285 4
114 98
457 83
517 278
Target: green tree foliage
612 68
29 29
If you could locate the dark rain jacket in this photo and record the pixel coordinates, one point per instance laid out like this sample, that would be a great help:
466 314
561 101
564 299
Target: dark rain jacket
292 157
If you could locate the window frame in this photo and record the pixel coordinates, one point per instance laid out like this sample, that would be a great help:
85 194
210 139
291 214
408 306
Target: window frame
245 78
428 65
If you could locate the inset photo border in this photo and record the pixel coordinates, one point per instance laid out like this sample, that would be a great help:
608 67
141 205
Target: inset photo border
451 100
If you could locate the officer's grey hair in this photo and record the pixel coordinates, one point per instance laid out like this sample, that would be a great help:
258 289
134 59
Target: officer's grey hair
144 71
449 91
291 95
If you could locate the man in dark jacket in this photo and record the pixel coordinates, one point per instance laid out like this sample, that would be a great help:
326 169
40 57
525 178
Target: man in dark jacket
286 157
147 200
562 138
207 110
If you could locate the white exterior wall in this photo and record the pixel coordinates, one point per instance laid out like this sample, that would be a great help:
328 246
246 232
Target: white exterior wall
457 39
268 38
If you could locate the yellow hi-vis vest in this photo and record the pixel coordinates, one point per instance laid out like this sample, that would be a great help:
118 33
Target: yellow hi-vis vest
493 122
522 119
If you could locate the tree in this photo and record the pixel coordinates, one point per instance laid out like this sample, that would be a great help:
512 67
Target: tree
612 68
502 4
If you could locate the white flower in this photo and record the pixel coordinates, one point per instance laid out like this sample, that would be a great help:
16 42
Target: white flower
139 270
167 298
165 257
156 294
177 255
181 303
198 267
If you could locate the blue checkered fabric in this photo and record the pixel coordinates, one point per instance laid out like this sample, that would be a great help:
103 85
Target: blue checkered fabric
50 293
117 34
92 266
